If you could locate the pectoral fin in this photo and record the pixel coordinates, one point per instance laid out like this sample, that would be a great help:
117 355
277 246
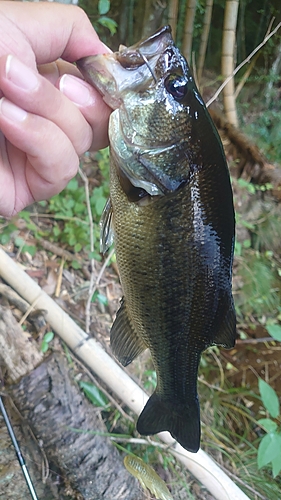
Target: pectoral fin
125 342
106 229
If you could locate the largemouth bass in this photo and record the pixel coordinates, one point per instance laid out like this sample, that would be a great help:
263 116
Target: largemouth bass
171 213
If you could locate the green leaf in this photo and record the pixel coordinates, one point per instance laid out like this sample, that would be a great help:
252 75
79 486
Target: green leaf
5 238
72 185
245 184
269 398
56 230
108 23
276 465
269 448
31 249
48 337
75 264
247 224
247 243
103 7
274 331
19 242
44 347
94 394
99 204
102 299
268 424
238 248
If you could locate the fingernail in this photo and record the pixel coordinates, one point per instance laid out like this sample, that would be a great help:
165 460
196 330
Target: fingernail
11 111
21 75
106 48
76 90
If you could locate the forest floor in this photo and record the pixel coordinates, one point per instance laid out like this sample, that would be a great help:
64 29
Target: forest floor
50 242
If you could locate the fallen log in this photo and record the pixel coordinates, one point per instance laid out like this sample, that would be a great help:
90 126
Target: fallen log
81 465
251 162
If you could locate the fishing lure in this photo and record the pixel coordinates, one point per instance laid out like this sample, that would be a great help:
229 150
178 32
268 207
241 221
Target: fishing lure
147 477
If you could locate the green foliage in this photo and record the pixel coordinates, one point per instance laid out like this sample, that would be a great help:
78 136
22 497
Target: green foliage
258 264
269 451
263 117
260 292
6 232
103 7
20 243
269 398
97 10
274 331
70 209
94 394
100 297
48 337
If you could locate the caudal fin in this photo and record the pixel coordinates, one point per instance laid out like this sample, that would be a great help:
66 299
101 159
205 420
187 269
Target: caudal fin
182 422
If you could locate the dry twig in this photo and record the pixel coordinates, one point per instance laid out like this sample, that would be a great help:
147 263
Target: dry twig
248 58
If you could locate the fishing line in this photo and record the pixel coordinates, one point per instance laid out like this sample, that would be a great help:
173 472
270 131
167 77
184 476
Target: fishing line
147 64
18 451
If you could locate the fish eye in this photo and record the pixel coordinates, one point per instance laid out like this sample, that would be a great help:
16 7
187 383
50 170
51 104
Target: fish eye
177 86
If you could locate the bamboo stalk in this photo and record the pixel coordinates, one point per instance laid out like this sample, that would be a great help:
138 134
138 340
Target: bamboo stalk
227 59
204 37
173 8
188 29
92 354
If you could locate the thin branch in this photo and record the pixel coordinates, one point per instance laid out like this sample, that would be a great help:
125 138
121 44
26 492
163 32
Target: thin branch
105 264
92 261
247 60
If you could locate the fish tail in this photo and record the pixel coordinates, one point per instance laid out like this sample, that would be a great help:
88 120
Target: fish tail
182 421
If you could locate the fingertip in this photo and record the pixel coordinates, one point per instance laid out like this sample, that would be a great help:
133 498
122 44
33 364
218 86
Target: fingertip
76 90
12 112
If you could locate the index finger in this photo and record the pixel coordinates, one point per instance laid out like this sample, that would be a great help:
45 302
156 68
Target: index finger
52 30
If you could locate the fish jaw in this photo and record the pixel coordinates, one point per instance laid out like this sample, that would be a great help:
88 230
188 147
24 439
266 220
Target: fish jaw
114 74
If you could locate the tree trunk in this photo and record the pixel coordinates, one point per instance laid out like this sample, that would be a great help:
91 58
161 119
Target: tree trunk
83 466
204 38
173 9
250 161
188 29
227 60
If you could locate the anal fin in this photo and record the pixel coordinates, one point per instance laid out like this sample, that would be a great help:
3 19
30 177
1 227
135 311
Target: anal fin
125 342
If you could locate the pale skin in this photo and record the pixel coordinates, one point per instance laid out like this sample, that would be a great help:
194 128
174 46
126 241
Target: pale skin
48 115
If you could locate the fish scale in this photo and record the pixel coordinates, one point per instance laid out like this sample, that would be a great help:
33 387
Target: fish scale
171 214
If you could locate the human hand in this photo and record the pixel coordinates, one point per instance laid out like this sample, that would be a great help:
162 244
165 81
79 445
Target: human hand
46 121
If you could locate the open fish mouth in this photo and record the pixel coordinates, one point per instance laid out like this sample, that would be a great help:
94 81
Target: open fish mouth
130 68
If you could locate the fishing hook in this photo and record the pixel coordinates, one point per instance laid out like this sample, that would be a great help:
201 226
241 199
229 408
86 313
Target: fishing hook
147 64
18 451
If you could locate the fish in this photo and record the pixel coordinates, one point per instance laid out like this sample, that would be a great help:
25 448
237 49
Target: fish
147 477
171 217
